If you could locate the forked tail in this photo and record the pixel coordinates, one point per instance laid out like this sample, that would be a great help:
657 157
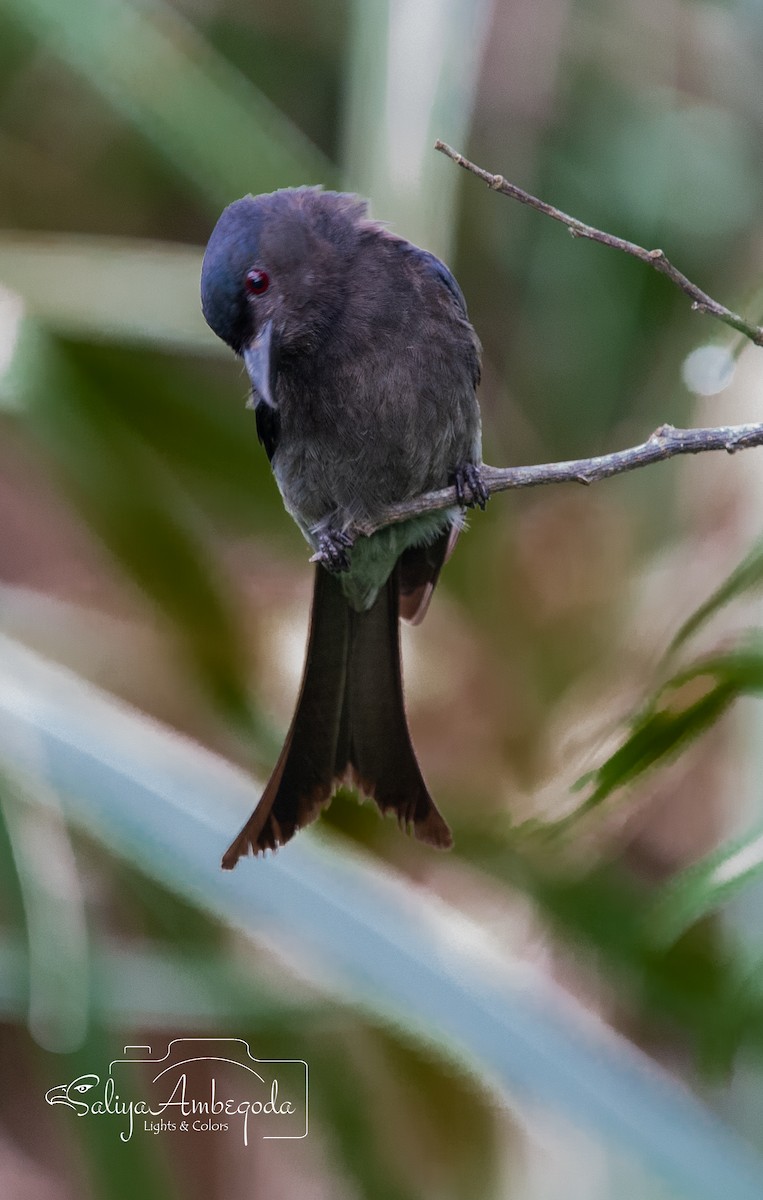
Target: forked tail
349 723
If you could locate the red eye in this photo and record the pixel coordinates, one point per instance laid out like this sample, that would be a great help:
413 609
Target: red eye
256 282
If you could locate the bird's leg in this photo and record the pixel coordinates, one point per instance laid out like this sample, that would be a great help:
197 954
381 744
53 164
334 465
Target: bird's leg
332 552
470 488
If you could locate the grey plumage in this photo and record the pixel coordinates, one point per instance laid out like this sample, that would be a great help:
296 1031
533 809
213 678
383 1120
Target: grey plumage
364 367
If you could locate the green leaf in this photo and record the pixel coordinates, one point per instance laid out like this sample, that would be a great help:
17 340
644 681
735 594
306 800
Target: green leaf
131 291
388 152
155 986
158 72
705 886
57 980
748 576
688 978
137 508
670 721
377 942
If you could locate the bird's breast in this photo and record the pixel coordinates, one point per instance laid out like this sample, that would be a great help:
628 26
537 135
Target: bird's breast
361 431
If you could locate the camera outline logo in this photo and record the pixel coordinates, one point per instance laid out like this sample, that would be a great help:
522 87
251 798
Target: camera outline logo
263 1097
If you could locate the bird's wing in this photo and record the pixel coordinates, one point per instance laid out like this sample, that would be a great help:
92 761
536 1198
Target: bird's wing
419 569
268 427
437 270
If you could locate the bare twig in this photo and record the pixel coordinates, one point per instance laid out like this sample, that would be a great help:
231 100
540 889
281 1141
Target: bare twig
701 302
665 442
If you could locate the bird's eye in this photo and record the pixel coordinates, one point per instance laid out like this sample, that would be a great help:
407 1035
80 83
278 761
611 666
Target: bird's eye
256 282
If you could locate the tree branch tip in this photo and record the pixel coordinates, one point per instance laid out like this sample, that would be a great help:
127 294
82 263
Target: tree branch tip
656 258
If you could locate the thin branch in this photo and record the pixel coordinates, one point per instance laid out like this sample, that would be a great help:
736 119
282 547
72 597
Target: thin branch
701 302
666 442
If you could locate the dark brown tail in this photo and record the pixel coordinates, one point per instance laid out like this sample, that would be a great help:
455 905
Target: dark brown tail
350 722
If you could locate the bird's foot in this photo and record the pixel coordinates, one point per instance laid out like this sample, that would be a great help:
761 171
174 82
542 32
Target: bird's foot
332 552
471 491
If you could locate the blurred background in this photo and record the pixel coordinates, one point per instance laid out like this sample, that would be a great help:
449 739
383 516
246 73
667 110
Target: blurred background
153 590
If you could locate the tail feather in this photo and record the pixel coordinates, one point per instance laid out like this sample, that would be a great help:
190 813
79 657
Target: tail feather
303 778
350 721
375 747
419 569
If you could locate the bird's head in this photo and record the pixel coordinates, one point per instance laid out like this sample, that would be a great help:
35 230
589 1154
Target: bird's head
274 275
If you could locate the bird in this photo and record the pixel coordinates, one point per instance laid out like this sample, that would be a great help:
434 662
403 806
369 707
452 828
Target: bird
363 368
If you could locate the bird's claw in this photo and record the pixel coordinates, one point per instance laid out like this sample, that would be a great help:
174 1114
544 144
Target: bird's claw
471 491
332 551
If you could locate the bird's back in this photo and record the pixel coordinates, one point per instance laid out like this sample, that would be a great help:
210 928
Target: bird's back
386 408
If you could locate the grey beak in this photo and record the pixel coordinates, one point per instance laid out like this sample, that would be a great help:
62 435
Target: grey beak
260 359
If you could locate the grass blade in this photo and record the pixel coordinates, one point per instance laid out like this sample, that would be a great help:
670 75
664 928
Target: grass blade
159 73
162 803
744 578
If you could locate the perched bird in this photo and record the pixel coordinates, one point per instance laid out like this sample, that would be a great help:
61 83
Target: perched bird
363 368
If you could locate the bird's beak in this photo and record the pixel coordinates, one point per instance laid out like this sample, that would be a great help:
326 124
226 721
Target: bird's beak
260 358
